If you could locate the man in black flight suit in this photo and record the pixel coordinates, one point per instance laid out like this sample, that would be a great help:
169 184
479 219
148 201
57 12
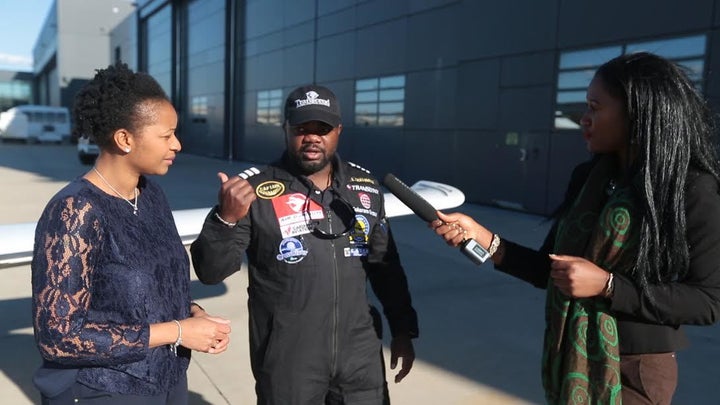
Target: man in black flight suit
314 231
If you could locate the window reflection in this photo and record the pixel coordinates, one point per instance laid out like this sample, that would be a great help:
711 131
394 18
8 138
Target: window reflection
588 58
694 69
571 97
392 81
14 92
365 96
269 103
574 80
199 106
367 84
380 101
390 108
576 69
366 108
392 95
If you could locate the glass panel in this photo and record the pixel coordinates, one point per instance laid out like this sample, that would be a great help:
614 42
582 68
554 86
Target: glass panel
366 84
365 120
384 107
391 108
564 97
366 108
268 107
672 48
27 91
588 58
366 96
392 95
390 120
577 69
576 79
262 116
694 68
392 81
274 117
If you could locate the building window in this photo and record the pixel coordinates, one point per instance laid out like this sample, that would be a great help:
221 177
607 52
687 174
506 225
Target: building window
576 70
380 101
14 93
268 107
199 106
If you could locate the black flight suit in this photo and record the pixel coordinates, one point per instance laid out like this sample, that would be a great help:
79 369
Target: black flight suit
309 254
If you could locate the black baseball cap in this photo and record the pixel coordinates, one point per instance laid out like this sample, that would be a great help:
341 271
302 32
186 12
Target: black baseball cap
312 103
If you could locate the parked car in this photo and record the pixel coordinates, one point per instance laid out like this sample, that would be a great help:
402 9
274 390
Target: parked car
87 150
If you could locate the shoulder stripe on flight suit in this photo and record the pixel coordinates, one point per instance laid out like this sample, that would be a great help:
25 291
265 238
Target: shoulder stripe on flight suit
357 166
246 174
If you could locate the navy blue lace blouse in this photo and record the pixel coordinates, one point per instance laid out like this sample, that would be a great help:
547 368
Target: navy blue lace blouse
100 276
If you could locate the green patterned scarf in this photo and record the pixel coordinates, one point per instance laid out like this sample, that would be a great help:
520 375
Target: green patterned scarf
581 359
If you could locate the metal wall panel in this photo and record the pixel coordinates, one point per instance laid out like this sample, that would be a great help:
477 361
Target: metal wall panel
580 24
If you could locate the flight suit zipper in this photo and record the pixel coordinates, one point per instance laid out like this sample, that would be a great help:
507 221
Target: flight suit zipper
336 298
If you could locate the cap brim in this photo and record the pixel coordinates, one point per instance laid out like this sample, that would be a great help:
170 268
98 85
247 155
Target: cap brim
309 114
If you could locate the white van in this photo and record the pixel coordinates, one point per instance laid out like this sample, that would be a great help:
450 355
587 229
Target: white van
35 123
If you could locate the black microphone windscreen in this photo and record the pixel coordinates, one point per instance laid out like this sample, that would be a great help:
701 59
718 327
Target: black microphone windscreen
409 197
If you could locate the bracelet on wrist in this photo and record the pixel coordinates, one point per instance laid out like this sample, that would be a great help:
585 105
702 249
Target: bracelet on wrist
494 244
610 286
178 341
224 222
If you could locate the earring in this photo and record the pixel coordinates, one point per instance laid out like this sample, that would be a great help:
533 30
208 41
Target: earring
127 150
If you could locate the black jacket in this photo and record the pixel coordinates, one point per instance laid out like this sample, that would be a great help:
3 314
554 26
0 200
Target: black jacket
645 326
308 304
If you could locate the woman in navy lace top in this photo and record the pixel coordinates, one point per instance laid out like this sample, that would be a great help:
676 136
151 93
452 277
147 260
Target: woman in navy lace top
112 313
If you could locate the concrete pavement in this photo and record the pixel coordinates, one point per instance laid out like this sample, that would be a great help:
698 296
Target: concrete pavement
481 331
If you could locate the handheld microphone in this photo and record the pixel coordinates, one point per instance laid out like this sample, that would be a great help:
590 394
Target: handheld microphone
409 197
427 212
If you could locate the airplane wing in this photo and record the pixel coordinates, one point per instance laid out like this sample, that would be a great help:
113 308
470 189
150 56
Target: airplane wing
16 240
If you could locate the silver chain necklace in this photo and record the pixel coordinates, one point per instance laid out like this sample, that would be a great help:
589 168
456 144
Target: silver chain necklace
137 195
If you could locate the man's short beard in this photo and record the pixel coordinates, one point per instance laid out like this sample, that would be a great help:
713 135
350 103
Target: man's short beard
307 168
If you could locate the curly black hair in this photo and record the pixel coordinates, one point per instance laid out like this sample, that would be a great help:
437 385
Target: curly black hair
115 98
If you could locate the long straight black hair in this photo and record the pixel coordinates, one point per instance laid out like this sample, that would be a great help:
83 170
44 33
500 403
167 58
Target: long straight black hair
671 132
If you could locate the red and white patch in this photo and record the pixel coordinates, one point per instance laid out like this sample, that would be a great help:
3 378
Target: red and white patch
293 212
365 200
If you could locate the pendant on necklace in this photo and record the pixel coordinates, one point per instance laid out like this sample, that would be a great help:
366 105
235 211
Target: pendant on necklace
612 185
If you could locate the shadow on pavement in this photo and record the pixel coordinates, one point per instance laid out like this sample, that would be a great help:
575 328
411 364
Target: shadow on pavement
19 357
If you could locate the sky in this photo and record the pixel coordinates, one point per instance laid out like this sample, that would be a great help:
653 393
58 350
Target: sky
19 28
